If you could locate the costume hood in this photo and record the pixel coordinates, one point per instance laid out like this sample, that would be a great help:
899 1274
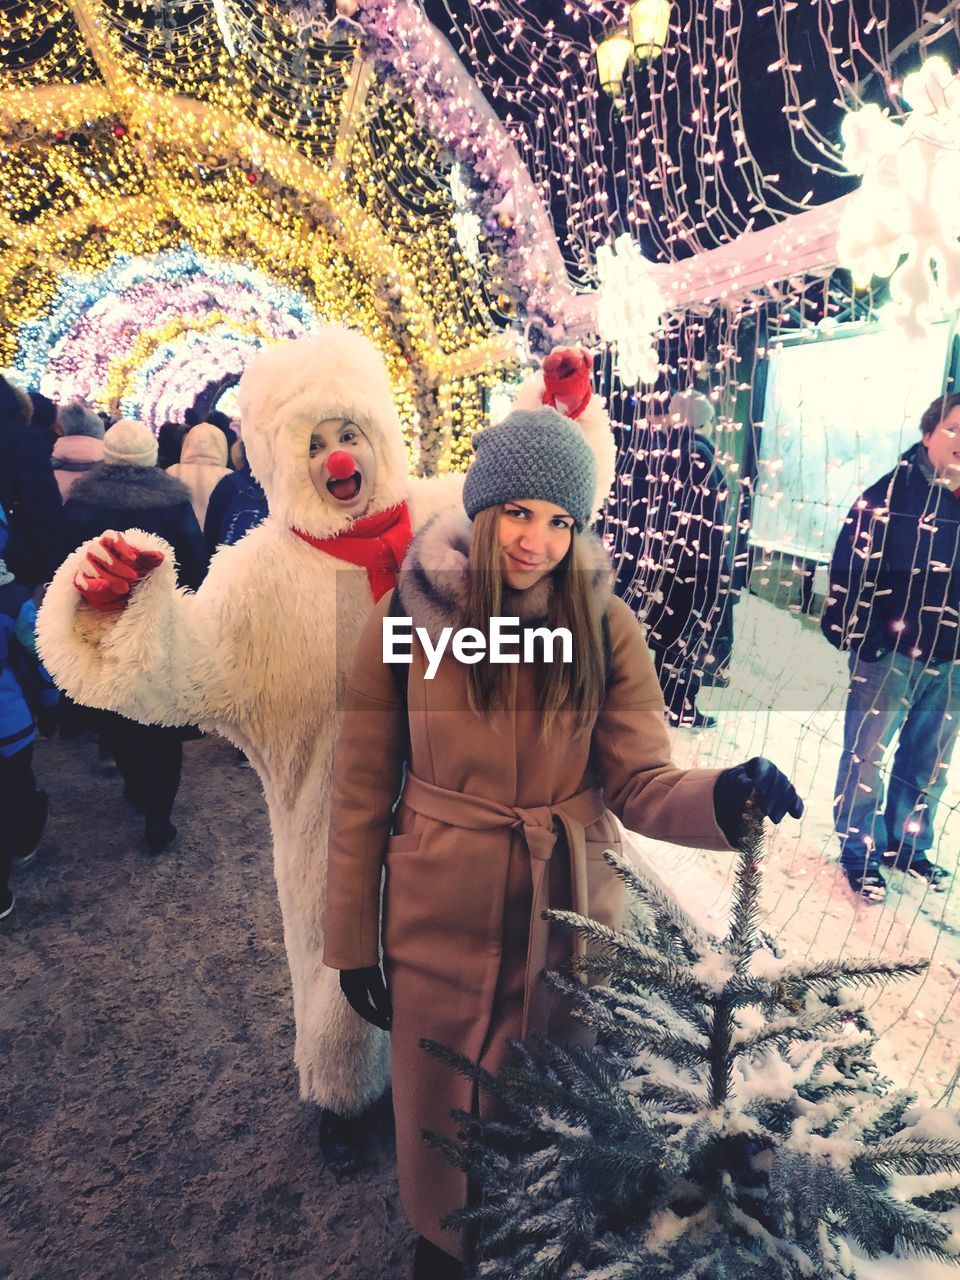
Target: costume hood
286 390
204 444
593 423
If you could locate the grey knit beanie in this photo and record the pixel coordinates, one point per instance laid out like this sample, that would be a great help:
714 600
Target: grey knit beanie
129 443
77 420
532 453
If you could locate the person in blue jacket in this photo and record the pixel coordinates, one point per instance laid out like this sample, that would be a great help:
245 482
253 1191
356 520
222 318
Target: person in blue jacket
27 696
894 605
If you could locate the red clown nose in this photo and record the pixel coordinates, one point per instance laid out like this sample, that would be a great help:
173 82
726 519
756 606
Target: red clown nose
340 465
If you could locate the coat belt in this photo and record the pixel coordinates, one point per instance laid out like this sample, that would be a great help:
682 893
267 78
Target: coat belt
537 825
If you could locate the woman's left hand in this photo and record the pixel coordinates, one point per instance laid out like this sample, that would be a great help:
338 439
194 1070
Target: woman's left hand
759 779
367 995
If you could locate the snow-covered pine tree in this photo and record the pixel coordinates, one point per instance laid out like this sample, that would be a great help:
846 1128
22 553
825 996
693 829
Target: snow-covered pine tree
723 1126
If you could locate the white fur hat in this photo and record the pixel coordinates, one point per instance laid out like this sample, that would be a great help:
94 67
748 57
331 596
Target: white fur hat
693 408
286 390
130 444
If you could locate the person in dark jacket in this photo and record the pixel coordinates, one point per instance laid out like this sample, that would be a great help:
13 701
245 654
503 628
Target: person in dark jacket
80 446
675 567
128 489
28 491
237 505
27 697
894 605
44 418
169 443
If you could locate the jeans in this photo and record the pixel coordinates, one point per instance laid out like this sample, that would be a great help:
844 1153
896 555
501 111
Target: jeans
921 703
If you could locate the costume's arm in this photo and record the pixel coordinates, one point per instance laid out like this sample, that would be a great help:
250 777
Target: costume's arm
153 661
564 383
368 774
631 751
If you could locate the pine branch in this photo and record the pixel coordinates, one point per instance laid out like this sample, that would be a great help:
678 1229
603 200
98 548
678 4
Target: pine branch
742 938
784 1031
483 1079
647 964
851 972
454 1151
910 1155
663 906
668 1097
685 995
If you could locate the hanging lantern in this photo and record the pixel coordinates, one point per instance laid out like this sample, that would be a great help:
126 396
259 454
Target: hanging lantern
649 28
613 54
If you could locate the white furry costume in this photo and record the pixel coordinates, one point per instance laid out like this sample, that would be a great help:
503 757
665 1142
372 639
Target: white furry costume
262 651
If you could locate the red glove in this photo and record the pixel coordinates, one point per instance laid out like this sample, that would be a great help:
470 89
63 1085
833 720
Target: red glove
567 373
115 569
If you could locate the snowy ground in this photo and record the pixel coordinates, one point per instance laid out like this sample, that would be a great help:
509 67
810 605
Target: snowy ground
151 1124
785 701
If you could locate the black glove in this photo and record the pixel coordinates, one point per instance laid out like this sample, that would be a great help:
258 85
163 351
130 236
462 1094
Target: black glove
367 995
772 792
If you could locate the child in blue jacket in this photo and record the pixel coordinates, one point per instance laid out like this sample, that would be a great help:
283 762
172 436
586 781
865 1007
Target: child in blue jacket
26 691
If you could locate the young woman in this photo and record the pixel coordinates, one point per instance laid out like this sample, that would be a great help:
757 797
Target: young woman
513 774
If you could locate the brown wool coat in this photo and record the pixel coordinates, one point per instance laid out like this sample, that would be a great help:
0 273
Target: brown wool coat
459 895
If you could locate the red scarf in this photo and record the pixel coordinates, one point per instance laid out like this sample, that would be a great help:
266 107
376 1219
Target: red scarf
376 543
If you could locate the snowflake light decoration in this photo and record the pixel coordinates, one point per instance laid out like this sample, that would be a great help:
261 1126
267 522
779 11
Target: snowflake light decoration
466 223
908 203
629 306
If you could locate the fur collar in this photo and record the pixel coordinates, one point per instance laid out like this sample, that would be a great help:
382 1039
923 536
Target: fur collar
135 488
432 586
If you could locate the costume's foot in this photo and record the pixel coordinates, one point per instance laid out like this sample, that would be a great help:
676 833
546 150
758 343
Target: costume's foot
919 866
869 885
692 719
23 856
132 798
431 1263
341 1141
159 834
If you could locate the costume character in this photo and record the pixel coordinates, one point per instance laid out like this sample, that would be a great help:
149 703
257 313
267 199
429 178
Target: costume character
261 653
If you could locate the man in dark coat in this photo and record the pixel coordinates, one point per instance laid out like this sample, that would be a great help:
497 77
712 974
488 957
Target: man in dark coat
237 505
128 489
675 568
28 491
894 605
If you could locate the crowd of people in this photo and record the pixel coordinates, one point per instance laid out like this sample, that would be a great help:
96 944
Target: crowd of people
438 777
67 474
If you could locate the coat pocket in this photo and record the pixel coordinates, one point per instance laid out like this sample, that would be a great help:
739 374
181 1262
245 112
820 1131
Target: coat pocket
407 843
606 892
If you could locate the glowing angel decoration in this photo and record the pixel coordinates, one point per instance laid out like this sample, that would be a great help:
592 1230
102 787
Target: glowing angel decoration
908 204
629 305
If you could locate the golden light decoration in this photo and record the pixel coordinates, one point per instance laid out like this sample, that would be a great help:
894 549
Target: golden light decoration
131 128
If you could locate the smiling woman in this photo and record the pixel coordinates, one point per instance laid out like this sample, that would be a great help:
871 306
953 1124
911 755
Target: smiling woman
343 464
486 789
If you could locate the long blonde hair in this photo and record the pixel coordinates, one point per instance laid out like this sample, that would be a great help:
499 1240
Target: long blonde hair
574 604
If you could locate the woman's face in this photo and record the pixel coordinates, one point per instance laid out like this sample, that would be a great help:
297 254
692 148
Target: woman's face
345 489
534 537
